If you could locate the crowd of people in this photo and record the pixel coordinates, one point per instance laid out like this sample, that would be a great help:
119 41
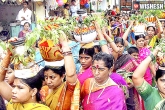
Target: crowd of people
88 78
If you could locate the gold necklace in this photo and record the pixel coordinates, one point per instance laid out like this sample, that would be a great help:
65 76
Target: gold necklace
101 84
161 95
94 82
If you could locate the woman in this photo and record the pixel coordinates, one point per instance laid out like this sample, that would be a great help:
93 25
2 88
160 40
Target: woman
85 58
86 54
151 32
26 29
151 96
115 29
25 92
61 95
123 61
95 91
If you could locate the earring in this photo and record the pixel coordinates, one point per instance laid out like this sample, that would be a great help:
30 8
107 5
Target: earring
32 97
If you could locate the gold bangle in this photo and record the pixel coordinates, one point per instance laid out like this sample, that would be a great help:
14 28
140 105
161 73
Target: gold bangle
110 40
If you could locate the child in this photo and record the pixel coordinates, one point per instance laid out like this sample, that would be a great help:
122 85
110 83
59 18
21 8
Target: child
134 52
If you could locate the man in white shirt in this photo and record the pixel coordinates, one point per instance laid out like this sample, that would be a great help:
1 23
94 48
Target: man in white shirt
73 8
24 14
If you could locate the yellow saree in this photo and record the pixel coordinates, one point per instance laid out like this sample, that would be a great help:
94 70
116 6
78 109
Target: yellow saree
61 99
28 106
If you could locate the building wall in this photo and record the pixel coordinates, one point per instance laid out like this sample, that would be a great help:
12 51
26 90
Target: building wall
39 11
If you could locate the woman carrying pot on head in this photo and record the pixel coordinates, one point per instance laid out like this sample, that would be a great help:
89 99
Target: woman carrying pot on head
25 92
152 96
58 94
86 54
154 32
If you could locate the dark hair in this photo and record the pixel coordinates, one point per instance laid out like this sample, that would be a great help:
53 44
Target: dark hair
132 50
35 82
11 66
26 2
66 5
152 27
27 23
107 58
98 48
73 1
159 73
58 70
119 40
87 51
2 104
139 36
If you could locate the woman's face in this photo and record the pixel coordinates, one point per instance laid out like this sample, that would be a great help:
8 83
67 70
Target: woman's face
163 23
21 92
9 78
53 80
100 72
121 48
150 32
147 39
161 84
26 27
140 43
85 60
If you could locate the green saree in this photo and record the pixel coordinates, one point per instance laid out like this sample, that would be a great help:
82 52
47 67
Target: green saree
150 95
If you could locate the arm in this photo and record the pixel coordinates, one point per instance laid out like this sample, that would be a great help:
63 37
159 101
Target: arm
160 28
5 88
138 75
104 48
126 34
70 68
152 68
110 41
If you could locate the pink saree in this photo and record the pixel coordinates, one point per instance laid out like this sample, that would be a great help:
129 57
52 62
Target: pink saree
111 98
143 53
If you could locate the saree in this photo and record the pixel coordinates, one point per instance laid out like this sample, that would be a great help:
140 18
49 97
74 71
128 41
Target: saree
85 75
150 95
153 41
143 54
160 105
65 97
28 106
126 62
129 64
108 99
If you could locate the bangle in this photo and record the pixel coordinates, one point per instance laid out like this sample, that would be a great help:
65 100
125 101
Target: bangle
110 40
67 53
3 68
152 56
102 42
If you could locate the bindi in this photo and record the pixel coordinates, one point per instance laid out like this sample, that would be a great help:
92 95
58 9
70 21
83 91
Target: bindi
97 66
